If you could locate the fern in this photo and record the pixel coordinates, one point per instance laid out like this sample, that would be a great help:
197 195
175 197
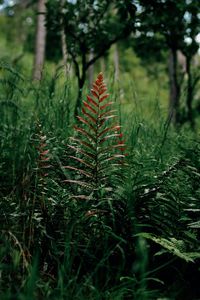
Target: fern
38 205
172 245
167 214
97 147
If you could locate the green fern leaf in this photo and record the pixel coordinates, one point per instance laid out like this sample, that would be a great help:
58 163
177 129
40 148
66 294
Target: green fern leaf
97 145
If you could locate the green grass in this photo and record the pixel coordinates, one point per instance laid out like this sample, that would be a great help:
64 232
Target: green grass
147 247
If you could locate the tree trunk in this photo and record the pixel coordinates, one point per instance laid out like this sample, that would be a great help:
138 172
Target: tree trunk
102 64
81 76
40 41
63 43
116 62
189 92
81 82
91 69
174 88
64 51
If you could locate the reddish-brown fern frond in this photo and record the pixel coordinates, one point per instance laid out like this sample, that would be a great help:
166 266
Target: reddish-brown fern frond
98 145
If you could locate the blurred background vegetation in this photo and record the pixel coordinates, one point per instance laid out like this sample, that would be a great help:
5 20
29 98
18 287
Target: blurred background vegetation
148 48
145 243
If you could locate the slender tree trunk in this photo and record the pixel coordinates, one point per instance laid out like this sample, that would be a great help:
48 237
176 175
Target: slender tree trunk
116 62
40 41
81 82
102 64
63 43
91 69
189 92
64 51
174 88
81 76
117 72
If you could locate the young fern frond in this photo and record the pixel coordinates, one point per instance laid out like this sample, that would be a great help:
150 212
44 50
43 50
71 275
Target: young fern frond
97 146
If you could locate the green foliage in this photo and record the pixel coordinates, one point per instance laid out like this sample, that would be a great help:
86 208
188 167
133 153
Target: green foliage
133 225
174 246
98 146
98 25
78 220
170 33
175 28
90 26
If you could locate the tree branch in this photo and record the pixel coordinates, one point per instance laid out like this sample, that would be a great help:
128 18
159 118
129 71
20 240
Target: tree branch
101 53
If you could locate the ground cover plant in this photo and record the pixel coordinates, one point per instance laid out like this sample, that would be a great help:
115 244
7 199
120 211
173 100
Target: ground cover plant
105 209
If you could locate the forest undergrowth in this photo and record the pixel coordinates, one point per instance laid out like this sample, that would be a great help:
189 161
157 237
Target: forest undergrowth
106 206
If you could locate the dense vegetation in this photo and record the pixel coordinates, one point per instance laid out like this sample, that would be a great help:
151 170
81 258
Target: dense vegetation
106 204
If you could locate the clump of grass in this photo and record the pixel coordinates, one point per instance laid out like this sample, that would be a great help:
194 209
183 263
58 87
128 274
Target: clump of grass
126 234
